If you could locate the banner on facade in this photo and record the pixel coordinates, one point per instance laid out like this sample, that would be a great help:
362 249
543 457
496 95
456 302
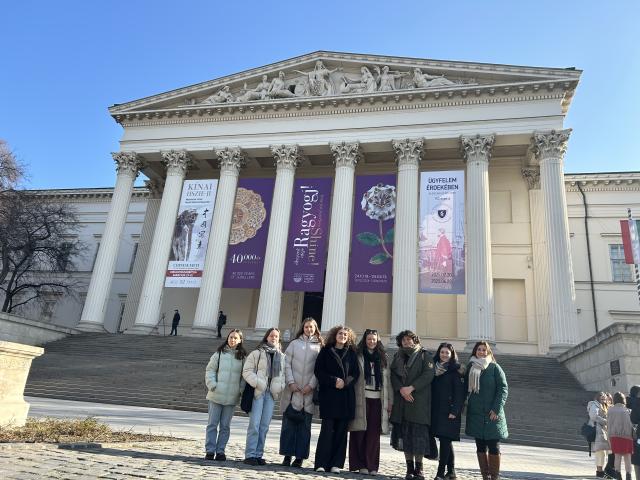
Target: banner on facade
631 240
191 234
441 232
374 213
249 232
308 233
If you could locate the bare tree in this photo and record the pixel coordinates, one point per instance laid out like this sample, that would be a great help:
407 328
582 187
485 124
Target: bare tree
11 169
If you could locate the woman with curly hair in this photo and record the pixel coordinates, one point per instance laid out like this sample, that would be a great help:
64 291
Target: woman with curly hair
300 361
337 371
411 376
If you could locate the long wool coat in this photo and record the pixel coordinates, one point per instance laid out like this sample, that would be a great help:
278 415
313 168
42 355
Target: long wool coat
359 423
598 418
419 373
300 362
223 377
336 403
492 396
447 397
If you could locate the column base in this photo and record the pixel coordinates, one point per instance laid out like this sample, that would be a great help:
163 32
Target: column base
468 347
90 327
139 330
205 332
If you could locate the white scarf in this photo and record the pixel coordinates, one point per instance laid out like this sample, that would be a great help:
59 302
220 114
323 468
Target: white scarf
477 367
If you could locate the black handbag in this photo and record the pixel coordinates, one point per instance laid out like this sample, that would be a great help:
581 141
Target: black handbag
246 402
293 415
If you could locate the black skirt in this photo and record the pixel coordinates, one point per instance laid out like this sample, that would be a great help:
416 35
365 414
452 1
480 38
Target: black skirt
409 437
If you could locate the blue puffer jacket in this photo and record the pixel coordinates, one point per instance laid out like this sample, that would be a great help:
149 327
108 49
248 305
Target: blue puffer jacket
225 382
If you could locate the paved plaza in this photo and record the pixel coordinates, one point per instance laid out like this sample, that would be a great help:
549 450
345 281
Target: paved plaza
184 458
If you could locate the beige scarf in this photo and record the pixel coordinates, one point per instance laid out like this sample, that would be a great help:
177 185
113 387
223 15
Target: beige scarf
477 367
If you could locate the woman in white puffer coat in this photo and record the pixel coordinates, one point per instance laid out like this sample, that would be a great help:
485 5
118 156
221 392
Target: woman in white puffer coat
301 353
224 380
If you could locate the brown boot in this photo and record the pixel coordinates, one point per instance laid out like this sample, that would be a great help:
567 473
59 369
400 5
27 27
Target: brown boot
494 466
483 462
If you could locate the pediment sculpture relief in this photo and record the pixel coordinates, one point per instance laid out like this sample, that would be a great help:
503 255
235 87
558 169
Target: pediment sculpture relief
322 81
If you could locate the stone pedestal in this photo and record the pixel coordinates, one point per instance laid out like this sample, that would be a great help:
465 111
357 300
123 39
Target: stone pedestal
15 362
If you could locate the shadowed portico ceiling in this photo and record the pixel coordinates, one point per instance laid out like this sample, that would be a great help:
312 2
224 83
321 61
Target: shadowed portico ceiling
326 83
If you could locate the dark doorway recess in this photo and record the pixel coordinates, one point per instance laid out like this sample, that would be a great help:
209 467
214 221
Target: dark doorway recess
312 306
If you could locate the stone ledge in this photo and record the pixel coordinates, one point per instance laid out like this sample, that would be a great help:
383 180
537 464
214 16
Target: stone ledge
592 342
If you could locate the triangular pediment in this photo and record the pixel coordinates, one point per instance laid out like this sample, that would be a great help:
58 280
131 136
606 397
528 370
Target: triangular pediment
338 77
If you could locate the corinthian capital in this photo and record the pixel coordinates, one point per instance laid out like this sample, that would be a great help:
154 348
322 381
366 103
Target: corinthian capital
127 163
231 159
477 147
532 177
550 145
176 161
155 187
408 151
346 154
287 156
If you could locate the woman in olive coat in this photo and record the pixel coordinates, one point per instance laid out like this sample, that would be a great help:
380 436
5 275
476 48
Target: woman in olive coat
486 385
447 398
411 376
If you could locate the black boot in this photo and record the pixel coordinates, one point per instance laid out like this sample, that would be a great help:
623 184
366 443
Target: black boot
417 472
410 470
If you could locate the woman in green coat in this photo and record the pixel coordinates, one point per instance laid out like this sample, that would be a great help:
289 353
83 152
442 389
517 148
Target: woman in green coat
486 385
412 372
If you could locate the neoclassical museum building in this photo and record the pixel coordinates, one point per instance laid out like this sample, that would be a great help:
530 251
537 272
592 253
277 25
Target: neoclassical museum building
373 191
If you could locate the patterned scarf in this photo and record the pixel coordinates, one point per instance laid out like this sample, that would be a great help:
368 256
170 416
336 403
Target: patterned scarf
478 365
441 368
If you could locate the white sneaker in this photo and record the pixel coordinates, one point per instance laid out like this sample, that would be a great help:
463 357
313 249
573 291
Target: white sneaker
319 469
335 470
364 471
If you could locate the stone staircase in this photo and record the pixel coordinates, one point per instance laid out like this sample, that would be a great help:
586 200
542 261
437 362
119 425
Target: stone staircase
546 405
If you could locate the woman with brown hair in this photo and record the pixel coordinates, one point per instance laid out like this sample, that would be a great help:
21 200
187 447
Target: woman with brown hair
374 399
300 362
337 371
486 385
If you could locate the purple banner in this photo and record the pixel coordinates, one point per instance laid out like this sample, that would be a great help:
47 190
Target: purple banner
308 233
371 261
249 231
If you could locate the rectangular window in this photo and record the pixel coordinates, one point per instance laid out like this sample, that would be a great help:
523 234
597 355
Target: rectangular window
133 256
95 256
620 271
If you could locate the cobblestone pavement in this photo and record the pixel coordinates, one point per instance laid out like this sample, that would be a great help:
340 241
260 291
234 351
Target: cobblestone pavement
184 460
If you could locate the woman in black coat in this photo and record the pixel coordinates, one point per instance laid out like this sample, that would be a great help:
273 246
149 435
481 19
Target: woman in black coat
337 371
447 398
633 402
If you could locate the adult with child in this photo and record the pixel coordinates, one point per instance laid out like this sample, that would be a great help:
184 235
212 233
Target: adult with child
487 389
337 371
597 410
300 361
223 377
374 400
412 372
264 371
447 399
620 431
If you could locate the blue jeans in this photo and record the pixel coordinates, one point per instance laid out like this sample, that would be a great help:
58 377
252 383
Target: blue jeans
259 419
220 415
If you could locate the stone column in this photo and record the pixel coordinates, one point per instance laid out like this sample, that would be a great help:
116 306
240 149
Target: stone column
230 160
539 253
346 156
287 158
177 163
549 149
92 319
477 152
405 242
142 254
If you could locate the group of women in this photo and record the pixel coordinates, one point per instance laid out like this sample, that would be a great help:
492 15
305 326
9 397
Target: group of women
614 417
361 394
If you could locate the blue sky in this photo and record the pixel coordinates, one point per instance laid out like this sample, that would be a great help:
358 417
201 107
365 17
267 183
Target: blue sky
64 63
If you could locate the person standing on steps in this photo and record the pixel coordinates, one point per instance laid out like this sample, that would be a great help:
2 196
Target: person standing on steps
224 380
174 323
222 321
486 385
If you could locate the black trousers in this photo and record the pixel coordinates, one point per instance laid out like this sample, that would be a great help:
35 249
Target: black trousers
219 330
174 330
492 445
332 443
447 458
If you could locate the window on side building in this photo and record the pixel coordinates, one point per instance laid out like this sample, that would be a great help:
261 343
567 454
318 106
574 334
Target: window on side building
620 271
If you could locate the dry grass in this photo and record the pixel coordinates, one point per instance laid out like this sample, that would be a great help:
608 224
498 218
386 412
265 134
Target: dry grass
66 430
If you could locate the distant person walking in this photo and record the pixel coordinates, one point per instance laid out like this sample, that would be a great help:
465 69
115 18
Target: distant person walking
222 321
174 323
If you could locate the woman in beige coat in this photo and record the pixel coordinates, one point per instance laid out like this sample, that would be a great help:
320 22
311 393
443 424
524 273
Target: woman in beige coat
300 361
374 400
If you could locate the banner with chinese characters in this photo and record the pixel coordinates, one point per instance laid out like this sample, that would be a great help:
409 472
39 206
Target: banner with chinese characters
374 213
308 234
191 234
441 260
249 232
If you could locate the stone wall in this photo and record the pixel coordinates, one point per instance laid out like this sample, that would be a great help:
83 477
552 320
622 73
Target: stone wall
608 361
30 332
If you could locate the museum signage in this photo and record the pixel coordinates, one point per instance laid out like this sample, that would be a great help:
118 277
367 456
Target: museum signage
374 213
308 233
249 232
191 234
441 258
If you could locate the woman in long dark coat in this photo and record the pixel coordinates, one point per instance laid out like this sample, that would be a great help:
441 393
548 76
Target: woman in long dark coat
337 371
634 404
447 398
